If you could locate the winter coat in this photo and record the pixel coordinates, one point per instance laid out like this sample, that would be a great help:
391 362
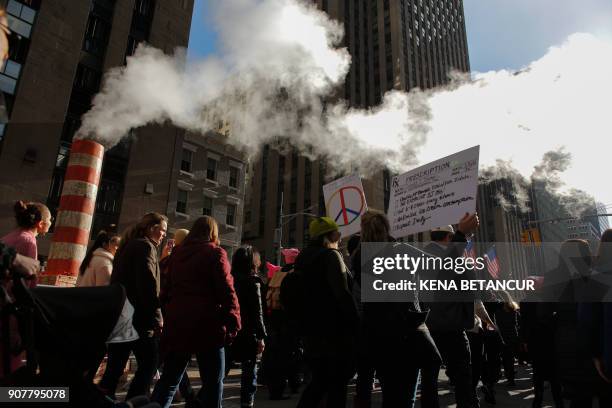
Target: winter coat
447 315
99 270
248 290
202 310
136 267
508 322
332 320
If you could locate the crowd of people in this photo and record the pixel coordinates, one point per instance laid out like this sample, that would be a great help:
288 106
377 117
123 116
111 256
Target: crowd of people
304 327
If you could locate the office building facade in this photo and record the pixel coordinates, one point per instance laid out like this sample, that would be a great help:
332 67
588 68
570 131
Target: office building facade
394 45
60 50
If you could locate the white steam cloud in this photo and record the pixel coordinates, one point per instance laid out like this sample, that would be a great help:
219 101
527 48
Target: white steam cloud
280 61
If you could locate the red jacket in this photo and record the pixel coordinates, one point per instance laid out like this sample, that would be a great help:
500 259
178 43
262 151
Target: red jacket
202 310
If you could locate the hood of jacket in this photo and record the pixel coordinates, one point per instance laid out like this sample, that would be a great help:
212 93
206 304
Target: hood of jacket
103 253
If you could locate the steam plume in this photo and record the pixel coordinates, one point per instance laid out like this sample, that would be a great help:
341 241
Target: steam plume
280 59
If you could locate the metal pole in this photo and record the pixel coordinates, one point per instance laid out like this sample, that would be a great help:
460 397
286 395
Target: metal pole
280 230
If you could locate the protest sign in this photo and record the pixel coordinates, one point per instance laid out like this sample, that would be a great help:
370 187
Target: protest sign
436 194
345 203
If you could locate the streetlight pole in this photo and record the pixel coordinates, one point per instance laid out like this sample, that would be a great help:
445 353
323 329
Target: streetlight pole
280 230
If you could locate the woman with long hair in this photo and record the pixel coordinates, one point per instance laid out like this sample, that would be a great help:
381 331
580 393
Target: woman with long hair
202 314
33 220
97 266
249 342
136 267
398 341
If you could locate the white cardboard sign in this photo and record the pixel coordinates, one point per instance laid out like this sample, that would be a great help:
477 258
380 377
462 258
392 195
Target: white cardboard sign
436 194
345 203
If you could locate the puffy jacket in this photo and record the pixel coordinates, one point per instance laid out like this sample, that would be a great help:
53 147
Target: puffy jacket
99 270
202 310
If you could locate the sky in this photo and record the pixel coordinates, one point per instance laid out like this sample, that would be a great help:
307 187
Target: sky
502 34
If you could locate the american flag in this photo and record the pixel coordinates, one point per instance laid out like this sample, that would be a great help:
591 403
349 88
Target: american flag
492 263
470 250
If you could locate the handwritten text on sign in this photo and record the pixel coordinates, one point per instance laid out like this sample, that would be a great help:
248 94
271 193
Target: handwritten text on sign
436 194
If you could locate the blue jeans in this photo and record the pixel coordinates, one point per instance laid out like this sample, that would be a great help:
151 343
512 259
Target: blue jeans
212 371
248 383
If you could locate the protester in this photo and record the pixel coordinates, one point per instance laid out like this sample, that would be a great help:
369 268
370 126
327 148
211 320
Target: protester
136 267
537 334
330 320
97 266
396 340
595 321
282 356
478 358
202 314
185 391
249 342
507 319
578 376
178 238
12 263
448 321
33 220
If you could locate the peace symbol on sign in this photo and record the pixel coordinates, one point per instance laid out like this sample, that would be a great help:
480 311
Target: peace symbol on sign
349 201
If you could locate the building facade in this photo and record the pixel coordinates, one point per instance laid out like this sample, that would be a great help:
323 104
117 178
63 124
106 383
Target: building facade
394 45
60 50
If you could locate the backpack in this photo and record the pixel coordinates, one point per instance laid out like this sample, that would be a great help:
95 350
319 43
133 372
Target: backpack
293 298
273 301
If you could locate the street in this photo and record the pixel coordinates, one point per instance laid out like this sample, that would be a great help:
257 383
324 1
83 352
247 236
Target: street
519 396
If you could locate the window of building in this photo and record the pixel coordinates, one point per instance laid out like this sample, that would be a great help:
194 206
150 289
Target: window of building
234 175
211 169
230 217
181 201
87 79
186 160
207 207
96 35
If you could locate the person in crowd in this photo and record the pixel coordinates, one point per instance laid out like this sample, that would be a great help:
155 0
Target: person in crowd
33 220
12 263
493 348
136 267
507 319
448 321
250 341
97 266
185 391
283 353
476 337
537 336
595 321
330 324
578 376
396 343
178 238
202 314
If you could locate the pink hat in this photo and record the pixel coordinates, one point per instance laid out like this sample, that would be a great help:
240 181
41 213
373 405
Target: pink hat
290 254
272 269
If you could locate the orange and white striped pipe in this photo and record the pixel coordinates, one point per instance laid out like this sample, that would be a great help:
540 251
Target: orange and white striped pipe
76 209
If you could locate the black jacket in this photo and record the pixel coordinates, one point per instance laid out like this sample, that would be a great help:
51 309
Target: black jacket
136 267
450 316
332 310
248 290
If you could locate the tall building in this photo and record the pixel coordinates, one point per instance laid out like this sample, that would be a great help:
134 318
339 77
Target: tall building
394 45
59 51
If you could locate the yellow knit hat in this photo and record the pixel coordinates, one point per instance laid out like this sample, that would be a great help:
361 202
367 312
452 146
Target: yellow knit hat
320 226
